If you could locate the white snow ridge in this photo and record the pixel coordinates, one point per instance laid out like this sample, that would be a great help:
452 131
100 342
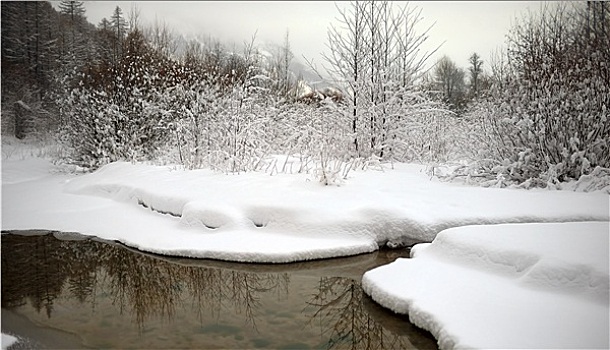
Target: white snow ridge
518 286
254 217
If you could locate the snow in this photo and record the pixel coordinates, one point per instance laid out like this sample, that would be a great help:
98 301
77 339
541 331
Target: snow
506 268
42 203
528 286
255 217
7 340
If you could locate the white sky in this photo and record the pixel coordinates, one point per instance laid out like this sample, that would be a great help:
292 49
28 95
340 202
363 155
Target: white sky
465 27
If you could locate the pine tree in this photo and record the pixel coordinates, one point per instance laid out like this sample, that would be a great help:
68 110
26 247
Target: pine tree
119 28
74 9
475 71
29 56
75 22
105 40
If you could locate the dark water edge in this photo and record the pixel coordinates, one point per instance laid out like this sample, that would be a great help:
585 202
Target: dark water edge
71 291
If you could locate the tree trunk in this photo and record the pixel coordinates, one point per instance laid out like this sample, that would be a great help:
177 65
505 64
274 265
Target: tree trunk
21 115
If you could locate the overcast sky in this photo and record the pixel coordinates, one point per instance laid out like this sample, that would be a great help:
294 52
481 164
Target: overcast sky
464 27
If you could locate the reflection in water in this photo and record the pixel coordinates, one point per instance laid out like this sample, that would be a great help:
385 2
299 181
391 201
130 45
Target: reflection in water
340 303
141 285
43 272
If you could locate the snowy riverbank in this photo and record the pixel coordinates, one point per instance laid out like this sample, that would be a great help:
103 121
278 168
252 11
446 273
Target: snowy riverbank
531 285
255 217
8 340
523 286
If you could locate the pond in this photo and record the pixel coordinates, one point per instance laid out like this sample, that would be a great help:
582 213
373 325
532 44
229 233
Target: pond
70 291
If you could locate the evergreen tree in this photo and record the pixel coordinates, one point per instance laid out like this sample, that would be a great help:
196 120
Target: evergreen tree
29 62
74 24
105 41
475 69
74 10
119 28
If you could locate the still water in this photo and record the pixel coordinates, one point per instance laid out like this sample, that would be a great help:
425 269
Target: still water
69 291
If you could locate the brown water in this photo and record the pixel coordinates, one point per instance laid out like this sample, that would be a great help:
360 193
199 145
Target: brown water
75 292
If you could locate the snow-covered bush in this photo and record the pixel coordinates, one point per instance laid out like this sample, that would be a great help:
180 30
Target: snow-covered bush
550 121
222 121
194 130
377 58
418 129
115 112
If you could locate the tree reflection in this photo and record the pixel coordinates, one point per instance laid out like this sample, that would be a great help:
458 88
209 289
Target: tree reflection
39 268
246 289
32 268
340 303
148 287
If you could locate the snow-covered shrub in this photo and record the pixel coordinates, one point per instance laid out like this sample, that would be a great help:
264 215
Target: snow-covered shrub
550 121
194 130
418 129
222 119
597 180
115 112
330 142
246 119
377 58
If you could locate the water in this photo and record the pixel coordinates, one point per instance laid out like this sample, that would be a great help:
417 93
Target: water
69 291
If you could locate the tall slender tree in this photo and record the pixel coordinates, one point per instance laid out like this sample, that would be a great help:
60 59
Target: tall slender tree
74 21
119 28
29 62
346 60
475 69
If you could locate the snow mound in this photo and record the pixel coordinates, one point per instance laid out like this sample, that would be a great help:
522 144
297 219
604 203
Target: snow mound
256 217
8 340
505 286
30 169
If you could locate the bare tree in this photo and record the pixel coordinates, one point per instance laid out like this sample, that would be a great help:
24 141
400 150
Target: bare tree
284 78
498 64
134 17
162 37
449 80
375 56
346 59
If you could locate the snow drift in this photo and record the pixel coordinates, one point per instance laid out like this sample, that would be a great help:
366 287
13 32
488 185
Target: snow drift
527 286
255 217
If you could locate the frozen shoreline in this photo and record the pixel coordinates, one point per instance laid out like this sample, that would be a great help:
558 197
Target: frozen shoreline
504 286
255 217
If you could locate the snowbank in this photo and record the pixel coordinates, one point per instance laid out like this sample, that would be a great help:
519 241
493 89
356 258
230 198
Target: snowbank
529 286
255 217
7 340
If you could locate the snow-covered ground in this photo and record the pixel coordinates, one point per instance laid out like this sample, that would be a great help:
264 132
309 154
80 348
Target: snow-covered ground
517 286
255 217
538 280
7 340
